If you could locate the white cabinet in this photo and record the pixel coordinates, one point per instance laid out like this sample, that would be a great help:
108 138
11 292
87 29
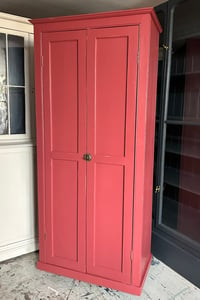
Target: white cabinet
18 233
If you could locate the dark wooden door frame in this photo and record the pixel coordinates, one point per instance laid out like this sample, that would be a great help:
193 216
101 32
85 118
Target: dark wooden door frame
176 253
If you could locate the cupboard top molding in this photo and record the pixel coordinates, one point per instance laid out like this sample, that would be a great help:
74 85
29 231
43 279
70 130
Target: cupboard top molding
86 21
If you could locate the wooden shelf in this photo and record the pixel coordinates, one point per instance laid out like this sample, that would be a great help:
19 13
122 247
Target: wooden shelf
189 151
182 122
188 182
185 73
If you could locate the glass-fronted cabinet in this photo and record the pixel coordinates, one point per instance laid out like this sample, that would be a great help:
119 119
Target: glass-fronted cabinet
18 207
176 226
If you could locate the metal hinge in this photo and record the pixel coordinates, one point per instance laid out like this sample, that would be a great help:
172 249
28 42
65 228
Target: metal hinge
165 47
157 189
131 255
45 236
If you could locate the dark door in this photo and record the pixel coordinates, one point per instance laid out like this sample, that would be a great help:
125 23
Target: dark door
176 235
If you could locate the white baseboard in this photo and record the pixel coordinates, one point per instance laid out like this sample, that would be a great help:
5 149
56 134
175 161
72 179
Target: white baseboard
18 248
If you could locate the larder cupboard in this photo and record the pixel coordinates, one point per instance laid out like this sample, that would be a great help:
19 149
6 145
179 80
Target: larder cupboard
95 94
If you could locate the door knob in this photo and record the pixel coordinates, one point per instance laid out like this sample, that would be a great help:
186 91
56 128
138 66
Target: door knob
87 156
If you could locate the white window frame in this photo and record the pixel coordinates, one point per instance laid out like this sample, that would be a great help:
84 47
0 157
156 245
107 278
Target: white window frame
19 26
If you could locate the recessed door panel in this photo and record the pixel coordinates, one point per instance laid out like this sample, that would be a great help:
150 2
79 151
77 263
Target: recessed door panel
65 175
110 98
64 85
108 210
111 105
64 89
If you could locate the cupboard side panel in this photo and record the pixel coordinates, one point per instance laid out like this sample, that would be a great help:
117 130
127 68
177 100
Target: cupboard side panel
40 142
141 115
149 147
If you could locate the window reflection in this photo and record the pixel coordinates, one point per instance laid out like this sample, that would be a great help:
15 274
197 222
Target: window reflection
12 85
181 195
3 90
16 60
184 96
3 110
17 110
181 202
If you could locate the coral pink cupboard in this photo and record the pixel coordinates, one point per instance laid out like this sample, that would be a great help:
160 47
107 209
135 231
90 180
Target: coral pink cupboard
95 103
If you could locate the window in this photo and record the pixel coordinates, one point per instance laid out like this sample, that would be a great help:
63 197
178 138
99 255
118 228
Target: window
12 86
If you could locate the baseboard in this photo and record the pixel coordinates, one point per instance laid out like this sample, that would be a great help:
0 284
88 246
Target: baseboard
116 285
176 257
18 248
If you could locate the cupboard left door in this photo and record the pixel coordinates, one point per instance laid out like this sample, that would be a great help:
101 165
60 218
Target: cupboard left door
64 102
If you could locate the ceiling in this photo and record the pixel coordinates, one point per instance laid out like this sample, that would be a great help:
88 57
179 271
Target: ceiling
51 8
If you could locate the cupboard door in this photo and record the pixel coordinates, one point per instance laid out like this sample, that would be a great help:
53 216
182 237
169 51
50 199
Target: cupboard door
111 107
64 93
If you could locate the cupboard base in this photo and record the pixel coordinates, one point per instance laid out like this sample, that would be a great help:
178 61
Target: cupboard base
131 289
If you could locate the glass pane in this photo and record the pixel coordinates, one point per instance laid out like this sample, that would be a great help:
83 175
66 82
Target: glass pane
3 110
3 90
184 98
16 60
17 110
161 16
184 95
181 197
3 77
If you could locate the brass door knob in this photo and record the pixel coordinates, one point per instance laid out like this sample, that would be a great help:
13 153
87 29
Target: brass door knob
87 156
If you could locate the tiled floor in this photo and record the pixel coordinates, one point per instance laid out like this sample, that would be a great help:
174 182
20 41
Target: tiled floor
20 280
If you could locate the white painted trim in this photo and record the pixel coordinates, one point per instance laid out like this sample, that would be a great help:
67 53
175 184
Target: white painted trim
18 143
18 248
15 22
14 18
16 148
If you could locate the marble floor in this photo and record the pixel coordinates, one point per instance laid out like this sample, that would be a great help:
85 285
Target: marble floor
20 280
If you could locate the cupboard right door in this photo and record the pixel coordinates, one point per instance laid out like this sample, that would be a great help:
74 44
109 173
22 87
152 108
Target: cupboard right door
111 108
